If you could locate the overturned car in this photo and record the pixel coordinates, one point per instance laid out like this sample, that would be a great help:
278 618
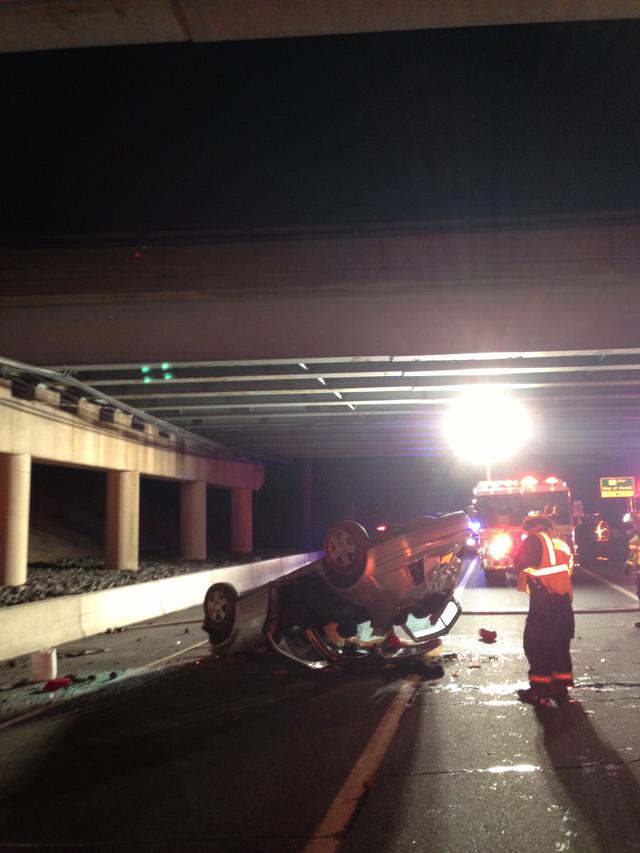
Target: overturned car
344 608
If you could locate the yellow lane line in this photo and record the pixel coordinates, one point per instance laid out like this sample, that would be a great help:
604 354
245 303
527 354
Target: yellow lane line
326 838
615 586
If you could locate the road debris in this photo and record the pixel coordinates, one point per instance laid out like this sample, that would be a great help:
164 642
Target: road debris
77 653
488 635
80 679
56 684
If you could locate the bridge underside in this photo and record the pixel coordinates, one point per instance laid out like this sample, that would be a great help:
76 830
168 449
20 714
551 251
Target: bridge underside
333 345
51 24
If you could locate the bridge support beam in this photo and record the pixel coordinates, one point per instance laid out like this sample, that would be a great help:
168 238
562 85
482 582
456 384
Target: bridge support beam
123 520
15 487
242 521
193 520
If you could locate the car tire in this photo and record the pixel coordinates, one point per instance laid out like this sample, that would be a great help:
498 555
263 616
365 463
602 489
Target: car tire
219 612
345 553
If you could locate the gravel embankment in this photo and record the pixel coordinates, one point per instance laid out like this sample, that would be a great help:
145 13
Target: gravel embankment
75 576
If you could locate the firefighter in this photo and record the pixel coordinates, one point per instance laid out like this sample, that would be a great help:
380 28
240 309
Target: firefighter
545 564
632 565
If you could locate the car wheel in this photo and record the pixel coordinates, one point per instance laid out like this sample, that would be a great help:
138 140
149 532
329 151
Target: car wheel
219 612
345 552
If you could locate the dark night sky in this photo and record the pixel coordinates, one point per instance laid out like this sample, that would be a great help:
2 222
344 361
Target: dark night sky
438 124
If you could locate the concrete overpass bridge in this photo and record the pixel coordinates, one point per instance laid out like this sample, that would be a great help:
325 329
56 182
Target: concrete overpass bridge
343 343
70 427
54 24
324 344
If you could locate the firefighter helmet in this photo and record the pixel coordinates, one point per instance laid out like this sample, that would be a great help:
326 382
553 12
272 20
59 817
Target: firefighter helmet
537 521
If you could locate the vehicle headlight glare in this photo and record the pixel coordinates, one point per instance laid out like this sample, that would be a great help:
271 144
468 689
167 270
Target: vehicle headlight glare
500 545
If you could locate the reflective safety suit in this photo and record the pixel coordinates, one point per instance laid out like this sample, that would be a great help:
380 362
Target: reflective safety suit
632 566
546 565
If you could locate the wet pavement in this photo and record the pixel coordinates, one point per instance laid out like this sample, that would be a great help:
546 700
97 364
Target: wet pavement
478 770
181 751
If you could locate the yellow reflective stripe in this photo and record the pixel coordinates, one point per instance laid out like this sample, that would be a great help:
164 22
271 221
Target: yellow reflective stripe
551 554
552 570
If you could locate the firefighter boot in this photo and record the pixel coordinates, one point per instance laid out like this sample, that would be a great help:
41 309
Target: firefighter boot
532 695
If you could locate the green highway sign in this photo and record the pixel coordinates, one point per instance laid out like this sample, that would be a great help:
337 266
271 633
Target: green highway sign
617 487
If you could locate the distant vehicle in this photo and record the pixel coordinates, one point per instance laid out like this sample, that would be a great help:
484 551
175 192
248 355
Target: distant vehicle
500 508
472 545
603 542
318 615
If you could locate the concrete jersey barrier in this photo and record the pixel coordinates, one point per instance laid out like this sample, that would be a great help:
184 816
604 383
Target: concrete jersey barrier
25 628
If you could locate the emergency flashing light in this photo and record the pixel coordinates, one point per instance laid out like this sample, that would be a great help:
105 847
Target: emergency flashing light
497 484
529 481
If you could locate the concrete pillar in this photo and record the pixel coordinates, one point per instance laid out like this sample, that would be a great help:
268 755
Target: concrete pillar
15 488
123 520
242 521
193 520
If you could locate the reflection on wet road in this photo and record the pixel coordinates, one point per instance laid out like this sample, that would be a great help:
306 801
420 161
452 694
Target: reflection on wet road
250 754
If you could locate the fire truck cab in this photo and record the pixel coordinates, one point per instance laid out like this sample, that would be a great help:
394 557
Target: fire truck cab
500 507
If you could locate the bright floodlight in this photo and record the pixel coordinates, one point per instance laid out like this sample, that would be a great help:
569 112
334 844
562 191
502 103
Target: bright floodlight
487 425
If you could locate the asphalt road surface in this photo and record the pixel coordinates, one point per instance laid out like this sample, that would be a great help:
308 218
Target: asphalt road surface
179 751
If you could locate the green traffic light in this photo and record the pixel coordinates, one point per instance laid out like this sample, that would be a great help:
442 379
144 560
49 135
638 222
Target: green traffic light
165 365
145 368
168 376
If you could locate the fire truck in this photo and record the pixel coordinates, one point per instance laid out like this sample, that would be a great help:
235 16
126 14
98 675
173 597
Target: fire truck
500 507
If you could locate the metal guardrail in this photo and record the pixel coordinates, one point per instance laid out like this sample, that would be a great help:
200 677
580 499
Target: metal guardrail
28 376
